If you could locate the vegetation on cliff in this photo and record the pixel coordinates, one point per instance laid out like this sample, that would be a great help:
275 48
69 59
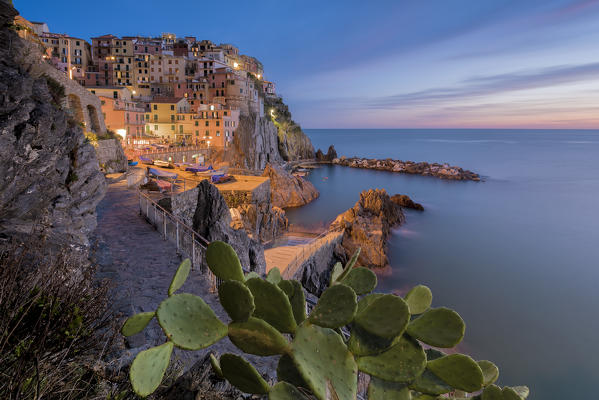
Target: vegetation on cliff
293 142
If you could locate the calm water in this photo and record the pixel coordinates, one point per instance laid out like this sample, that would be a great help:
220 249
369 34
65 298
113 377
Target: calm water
517 255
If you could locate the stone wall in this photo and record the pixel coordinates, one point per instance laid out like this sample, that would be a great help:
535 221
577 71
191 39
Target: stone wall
111 156
259 194
315 272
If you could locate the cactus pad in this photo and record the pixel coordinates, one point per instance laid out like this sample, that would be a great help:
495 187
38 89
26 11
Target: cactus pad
379 389
515 393
492 392
361 280
251 274
148 368
366 300
335 308
223 261
216 366
285 391
298 302
386 316
458 371
241 374
429 383
402 363
324 362
272 305
361 343
189 322
337 271
419 299
490 372
236 299
180 276
350 264
137 323
287 287
439 327
274 276
257 337
287 371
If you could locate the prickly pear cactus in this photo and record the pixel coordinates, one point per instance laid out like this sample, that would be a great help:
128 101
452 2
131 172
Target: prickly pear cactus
379 389
216 366
335 308
180 276
223 261
274 276
458 371
189 322
272 305
350 264
236 299
298 302
419 299
288 372
490 372
337 271
137 323
385 317
148 368
361 280
241 374
285 391
256 336
439 327
313 350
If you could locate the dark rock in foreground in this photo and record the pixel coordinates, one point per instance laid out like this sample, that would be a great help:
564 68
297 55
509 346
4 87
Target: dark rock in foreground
367 225
405 201
443 171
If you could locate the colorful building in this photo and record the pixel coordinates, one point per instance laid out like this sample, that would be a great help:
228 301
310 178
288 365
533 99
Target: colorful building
215 125
162 119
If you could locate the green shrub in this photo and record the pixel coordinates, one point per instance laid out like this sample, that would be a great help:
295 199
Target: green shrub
375 334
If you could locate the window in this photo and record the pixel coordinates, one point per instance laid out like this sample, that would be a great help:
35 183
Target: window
217 123
207 123
172 106
172 127
155 117
197 133
155 127
225 113
172 117
217 133
155 107
197 123
207 133
115 94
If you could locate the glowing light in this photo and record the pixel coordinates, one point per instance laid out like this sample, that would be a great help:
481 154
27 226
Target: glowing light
235 65
258 76
121 132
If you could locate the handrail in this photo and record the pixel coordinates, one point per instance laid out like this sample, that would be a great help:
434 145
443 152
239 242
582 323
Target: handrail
305 251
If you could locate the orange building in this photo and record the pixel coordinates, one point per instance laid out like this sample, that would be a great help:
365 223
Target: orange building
215 125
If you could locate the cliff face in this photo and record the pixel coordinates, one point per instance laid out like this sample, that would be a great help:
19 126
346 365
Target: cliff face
288 190
255 143
50 175
292 141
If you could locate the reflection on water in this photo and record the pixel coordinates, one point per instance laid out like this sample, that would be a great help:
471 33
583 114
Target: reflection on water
516 255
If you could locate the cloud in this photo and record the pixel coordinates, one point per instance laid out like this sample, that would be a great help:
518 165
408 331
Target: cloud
489 85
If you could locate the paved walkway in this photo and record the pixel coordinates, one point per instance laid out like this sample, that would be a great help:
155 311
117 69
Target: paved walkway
140 265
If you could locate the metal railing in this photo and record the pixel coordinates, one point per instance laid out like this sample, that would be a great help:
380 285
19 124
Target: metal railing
188 242
306 251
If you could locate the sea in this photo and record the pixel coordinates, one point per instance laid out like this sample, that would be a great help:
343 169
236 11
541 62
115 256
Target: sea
516 255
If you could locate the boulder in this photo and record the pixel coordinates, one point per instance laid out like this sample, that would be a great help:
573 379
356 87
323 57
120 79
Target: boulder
405 201
367 225
261 221
329 157
288 190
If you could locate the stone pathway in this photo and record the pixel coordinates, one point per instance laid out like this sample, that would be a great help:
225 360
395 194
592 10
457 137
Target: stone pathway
139 263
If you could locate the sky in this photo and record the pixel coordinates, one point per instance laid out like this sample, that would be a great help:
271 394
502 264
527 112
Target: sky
387 64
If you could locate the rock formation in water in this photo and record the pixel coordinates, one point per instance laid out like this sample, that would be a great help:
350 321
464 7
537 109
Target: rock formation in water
367 225
330 156
263 221
49 173
443 171
205 210
288 190
403 200
292 141
255 143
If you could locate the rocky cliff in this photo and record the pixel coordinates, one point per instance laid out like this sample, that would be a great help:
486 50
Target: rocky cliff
49 173
255 143
292 141
288 190
367 225
263 221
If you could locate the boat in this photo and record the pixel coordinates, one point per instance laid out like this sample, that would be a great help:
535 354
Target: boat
162 174
164 186
198 168
146 160
131 163
211 172
221 178
163 164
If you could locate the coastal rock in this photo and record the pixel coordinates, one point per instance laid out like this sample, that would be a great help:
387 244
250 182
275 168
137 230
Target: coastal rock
212 219
367 225
50 176
405 201
111 156
443 171
293 143
255 143
288 190
330 156
261 221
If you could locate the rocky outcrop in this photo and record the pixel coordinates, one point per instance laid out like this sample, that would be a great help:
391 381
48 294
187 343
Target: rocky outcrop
111 156
255 143
262 221
292 141
50 175
403 200
211 219
288 190
443 171
330 156
367 225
